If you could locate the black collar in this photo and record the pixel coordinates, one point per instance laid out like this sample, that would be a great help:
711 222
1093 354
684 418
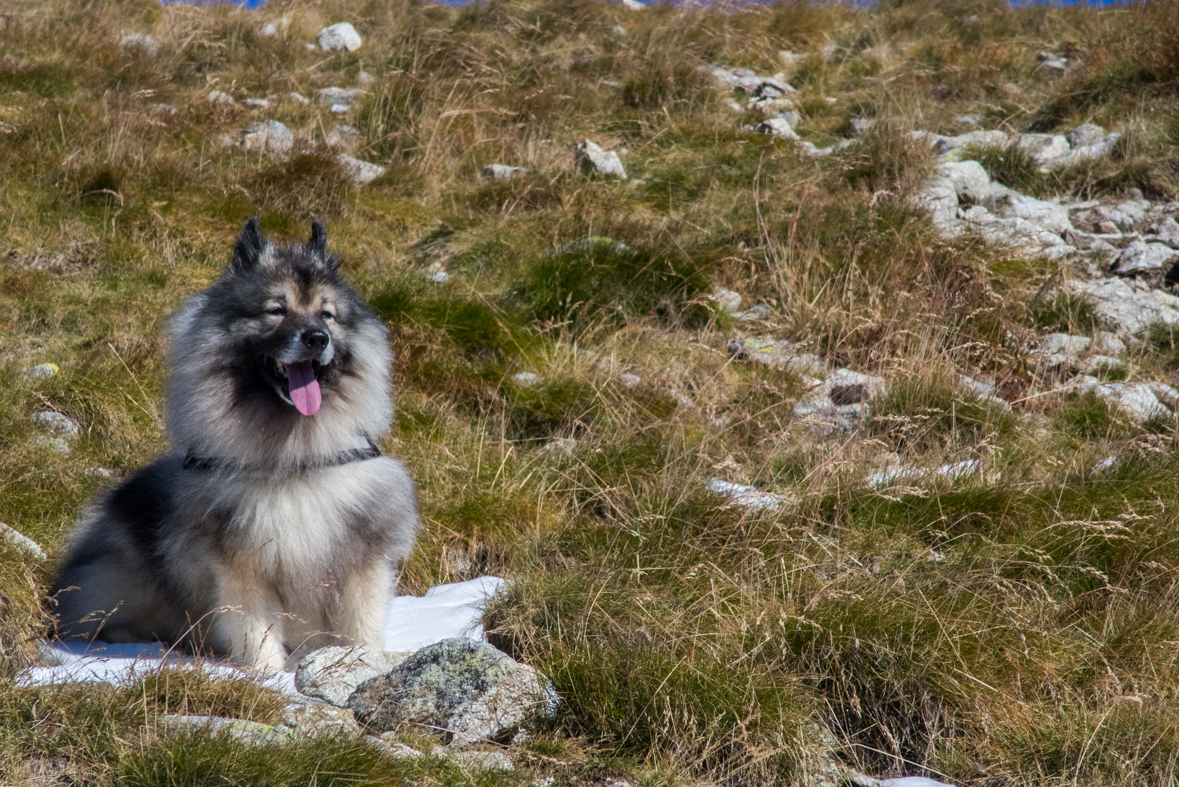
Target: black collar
209 464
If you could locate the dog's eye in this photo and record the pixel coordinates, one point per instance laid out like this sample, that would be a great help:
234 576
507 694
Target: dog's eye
327 315
277 311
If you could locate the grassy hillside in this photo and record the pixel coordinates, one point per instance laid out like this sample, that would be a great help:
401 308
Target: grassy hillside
566 392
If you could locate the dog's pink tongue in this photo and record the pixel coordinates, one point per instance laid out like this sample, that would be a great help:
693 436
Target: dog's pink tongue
304 387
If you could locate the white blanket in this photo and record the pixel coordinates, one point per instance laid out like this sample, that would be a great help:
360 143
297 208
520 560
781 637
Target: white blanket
412 623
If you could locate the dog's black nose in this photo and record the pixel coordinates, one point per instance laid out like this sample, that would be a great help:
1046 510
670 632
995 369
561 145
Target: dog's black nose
316 340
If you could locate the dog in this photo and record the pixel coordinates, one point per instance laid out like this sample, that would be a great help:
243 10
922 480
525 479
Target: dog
276 527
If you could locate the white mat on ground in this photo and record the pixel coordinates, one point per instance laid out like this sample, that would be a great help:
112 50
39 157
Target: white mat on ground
413 623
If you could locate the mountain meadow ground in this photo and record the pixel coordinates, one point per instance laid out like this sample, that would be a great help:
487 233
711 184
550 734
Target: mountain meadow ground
564 390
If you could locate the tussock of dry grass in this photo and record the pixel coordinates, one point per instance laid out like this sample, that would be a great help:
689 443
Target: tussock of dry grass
1013 627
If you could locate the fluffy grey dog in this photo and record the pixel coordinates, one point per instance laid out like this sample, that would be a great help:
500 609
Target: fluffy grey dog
276 527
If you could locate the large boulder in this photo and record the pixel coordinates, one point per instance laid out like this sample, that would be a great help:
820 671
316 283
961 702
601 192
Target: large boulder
461 688
333 673
1139 257
968 179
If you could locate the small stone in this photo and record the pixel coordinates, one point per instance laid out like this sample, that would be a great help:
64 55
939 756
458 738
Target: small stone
56 422
365 78
461 688
591 159
141 43
338 97
333 673
848 387
269 136
627 380
164 110
1168 232
360 172
339 36
1061 349
42 371
481 761
1100 363
1107 227
748 497
299 98
860 125
778 127
223 99
21 541
393 749
1135 400
251 733
729 301
1141 257
1167 395
1047 215
256 103
1044 147
618 30
225 141
269 30
317 719
55 444
1051 62
343 138
1085 135
502 172
633 5
526 379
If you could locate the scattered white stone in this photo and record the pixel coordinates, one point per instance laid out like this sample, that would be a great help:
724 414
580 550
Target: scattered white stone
1100 363
627 380
985 392
225 141
1051 62
1108 343
1048 215
1106 464
559 445
590 158
1141 257
1086 152
269 136
778 127
912 781
318 719
1125 308
251 733
633 5
224 99
776 354
393 749
343 138
758 311
951 472
56 422
299 98
333 673
983 139
480 761
1061 349
21 541
256 103
1085 135
748 497
1044 147
339 36
848 387
338 97
1167 395
269 30
729 301
968 179
526 379
42 371
166 110
141 42
361 172
1135 400
502 172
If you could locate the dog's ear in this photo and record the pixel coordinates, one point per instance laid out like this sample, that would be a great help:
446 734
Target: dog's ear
317 246
250 245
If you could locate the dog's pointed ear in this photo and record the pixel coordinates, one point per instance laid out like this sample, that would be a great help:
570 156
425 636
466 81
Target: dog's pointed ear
318 243
250 245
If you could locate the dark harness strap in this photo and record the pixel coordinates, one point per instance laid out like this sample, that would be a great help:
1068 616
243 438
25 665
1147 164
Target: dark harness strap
209 464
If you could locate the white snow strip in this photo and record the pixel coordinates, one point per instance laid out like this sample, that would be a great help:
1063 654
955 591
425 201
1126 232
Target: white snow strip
412 624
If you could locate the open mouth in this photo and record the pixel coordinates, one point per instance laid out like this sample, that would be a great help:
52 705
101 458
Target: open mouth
297 383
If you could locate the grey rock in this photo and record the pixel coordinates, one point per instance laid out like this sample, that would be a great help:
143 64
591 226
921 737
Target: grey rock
221 99
256 103
1168 232
627 380
502 172
333 673
1168 396
1123 307
269 136
269 30
56 423
1051 62
986 139
21 541
848 387
1141 257
338 97
1109 228
748 497
393 749
55 444
1085 135
462 688
1061 349
360 172
527 379
339 36
776 354
1044 147
42 371
140 42
251 733
163 110
299 98
1098 363
778 127
968 120
344 138
913 781
940 199
1134 400
591 159
1050 216
729 301
1086 152
860 125
1108 343
968 179
317 719
479 761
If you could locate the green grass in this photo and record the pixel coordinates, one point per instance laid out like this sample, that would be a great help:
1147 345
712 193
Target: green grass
1014 627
